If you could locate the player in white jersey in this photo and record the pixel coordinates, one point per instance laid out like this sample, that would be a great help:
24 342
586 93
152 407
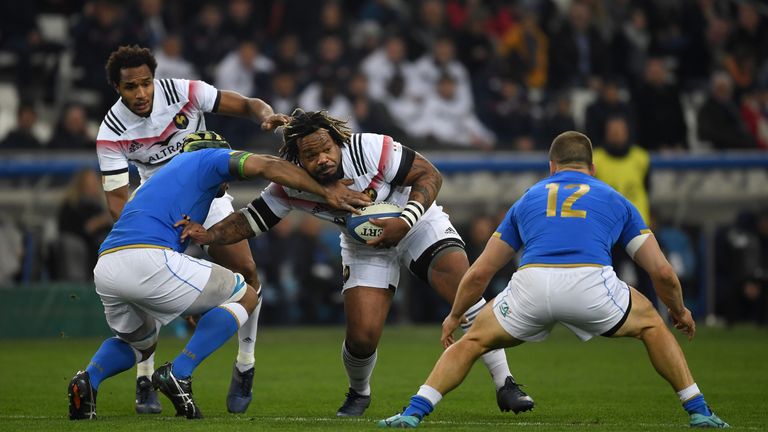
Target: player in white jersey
146 127
423 239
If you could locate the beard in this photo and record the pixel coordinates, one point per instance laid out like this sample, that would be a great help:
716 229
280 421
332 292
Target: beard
325 179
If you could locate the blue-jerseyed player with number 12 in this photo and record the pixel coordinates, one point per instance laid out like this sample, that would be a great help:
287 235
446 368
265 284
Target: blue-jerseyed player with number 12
566 226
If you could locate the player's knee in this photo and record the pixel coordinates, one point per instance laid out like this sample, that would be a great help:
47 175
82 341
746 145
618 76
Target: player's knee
249 300
146 353
143 339
362 344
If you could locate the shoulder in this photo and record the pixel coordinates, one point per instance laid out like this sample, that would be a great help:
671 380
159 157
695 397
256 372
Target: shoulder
174 90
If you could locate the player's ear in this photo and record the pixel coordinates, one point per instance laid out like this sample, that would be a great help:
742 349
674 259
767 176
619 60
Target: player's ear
592 170
552 167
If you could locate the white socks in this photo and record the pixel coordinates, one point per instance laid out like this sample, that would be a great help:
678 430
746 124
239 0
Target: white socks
359 370
246 339
496 360
145 368
688 392
430 394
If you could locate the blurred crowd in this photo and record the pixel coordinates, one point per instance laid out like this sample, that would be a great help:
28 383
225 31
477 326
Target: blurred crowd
637 76
494 74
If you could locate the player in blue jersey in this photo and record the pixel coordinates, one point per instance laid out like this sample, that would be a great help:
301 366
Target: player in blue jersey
144 278
565 226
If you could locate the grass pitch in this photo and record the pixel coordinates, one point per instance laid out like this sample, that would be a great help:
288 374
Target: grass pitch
300 382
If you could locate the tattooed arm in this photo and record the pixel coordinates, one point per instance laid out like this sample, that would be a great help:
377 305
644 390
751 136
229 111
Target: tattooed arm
231 229
425 182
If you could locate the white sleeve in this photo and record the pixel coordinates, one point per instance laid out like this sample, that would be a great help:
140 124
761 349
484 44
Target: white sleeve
266 211
390 160
113 163
203 96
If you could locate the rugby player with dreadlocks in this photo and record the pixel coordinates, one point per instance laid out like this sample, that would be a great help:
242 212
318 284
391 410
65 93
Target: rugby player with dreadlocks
422 238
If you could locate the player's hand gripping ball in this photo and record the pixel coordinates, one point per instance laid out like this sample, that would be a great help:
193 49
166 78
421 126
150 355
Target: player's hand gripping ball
361 229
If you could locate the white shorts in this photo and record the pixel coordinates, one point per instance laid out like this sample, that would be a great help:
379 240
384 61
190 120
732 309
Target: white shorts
220 208
137 285
380 268
590 301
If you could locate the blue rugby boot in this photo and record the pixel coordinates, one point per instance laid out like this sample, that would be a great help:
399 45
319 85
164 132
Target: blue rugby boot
147 401
400 421
240 390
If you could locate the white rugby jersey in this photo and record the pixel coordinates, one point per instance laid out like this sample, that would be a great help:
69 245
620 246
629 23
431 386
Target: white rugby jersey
376 163
149 142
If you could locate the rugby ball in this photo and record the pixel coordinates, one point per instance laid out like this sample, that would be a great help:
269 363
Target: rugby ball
361 229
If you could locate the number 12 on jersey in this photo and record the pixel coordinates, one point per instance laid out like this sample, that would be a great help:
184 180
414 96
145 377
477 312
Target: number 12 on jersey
567 208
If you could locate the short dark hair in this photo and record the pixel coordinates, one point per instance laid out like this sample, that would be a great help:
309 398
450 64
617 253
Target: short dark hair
571 148
305 123
128 57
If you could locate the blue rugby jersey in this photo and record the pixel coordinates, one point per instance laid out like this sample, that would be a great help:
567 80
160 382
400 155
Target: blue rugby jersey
570 219
186 185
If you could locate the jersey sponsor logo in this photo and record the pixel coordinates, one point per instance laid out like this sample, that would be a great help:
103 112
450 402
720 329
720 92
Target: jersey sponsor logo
164 142
450 230
165 152
180 120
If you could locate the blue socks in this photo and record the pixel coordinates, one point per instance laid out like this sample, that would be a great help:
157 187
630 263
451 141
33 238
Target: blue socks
113 356
697 405
214 328
419 407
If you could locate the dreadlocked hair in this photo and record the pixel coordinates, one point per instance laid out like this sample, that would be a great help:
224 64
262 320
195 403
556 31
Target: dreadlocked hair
304 123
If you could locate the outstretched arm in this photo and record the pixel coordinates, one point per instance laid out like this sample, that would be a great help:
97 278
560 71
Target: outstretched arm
231 229
247 165
235 104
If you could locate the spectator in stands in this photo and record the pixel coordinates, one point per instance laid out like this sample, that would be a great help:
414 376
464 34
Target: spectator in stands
241 22
630 45
150 23
23 137
72 130
660 122
330 59
83 222
170 61
431 67
429 24
509 114
401 106
609 104
370 115
448 120
326 94
746 48
577 54
385 63
474 46
285 93
524 48
719 120
244 70
205 43
754 112
95 36
559 118
290 56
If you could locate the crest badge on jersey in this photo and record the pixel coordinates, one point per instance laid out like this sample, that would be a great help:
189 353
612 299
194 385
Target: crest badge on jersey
371 192
180 120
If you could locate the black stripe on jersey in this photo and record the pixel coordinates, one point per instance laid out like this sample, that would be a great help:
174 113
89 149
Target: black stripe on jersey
165 92
111 126
353 151
116 120
360 156
406 162
115 172
269 218
352 154
215 108
168 91
174 93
